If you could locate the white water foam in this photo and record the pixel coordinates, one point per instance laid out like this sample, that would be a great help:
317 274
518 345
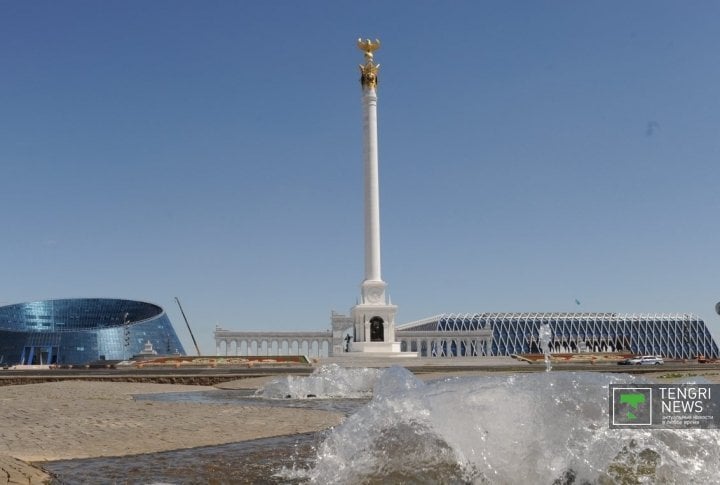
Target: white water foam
545 336
326 382
546 428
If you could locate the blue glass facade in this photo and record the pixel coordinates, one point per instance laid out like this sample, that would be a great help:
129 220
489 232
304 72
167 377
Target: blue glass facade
82 330
679 336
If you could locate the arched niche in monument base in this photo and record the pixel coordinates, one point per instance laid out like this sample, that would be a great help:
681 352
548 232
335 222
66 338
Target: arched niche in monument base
377 329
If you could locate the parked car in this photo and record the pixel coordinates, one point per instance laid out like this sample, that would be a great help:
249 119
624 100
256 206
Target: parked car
643 360
651 360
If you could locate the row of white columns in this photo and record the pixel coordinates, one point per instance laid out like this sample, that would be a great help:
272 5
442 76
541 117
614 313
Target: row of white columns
269 347
442 347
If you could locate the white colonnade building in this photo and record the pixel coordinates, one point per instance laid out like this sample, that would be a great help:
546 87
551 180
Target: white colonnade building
310 344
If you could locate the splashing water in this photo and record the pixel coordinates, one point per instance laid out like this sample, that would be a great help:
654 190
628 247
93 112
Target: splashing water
545 336
548 428
326 382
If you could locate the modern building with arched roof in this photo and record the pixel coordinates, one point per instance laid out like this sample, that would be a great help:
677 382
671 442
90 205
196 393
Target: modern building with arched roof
673 335
81 330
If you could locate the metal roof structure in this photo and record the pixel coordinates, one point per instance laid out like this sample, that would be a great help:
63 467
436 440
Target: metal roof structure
674 335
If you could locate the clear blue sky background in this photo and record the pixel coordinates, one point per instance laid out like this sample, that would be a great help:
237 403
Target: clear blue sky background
532 154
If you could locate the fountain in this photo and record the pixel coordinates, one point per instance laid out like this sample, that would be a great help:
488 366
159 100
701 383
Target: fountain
528 428
542 428
544 337
326 382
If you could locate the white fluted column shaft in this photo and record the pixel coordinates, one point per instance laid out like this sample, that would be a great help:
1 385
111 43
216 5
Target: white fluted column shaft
372 187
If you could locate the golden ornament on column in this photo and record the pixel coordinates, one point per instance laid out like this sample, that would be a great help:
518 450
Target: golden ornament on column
369 71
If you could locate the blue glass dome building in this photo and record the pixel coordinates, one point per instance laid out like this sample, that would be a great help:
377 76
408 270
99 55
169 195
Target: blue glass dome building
82 330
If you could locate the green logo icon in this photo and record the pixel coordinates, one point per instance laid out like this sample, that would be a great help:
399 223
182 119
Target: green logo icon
633 399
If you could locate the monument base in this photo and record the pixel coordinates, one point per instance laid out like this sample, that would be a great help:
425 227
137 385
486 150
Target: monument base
376 347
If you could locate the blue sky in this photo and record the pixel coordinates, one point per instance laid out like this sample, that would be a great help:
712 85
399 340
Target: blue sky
531 154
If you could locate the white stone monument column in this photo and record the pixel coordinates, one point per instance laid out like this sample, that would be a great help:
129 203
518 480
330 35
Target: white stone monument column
372 185
374 316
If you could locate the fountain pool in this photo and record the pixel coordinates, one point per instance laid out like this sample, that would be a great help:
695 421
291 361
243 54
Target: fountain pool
543 428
